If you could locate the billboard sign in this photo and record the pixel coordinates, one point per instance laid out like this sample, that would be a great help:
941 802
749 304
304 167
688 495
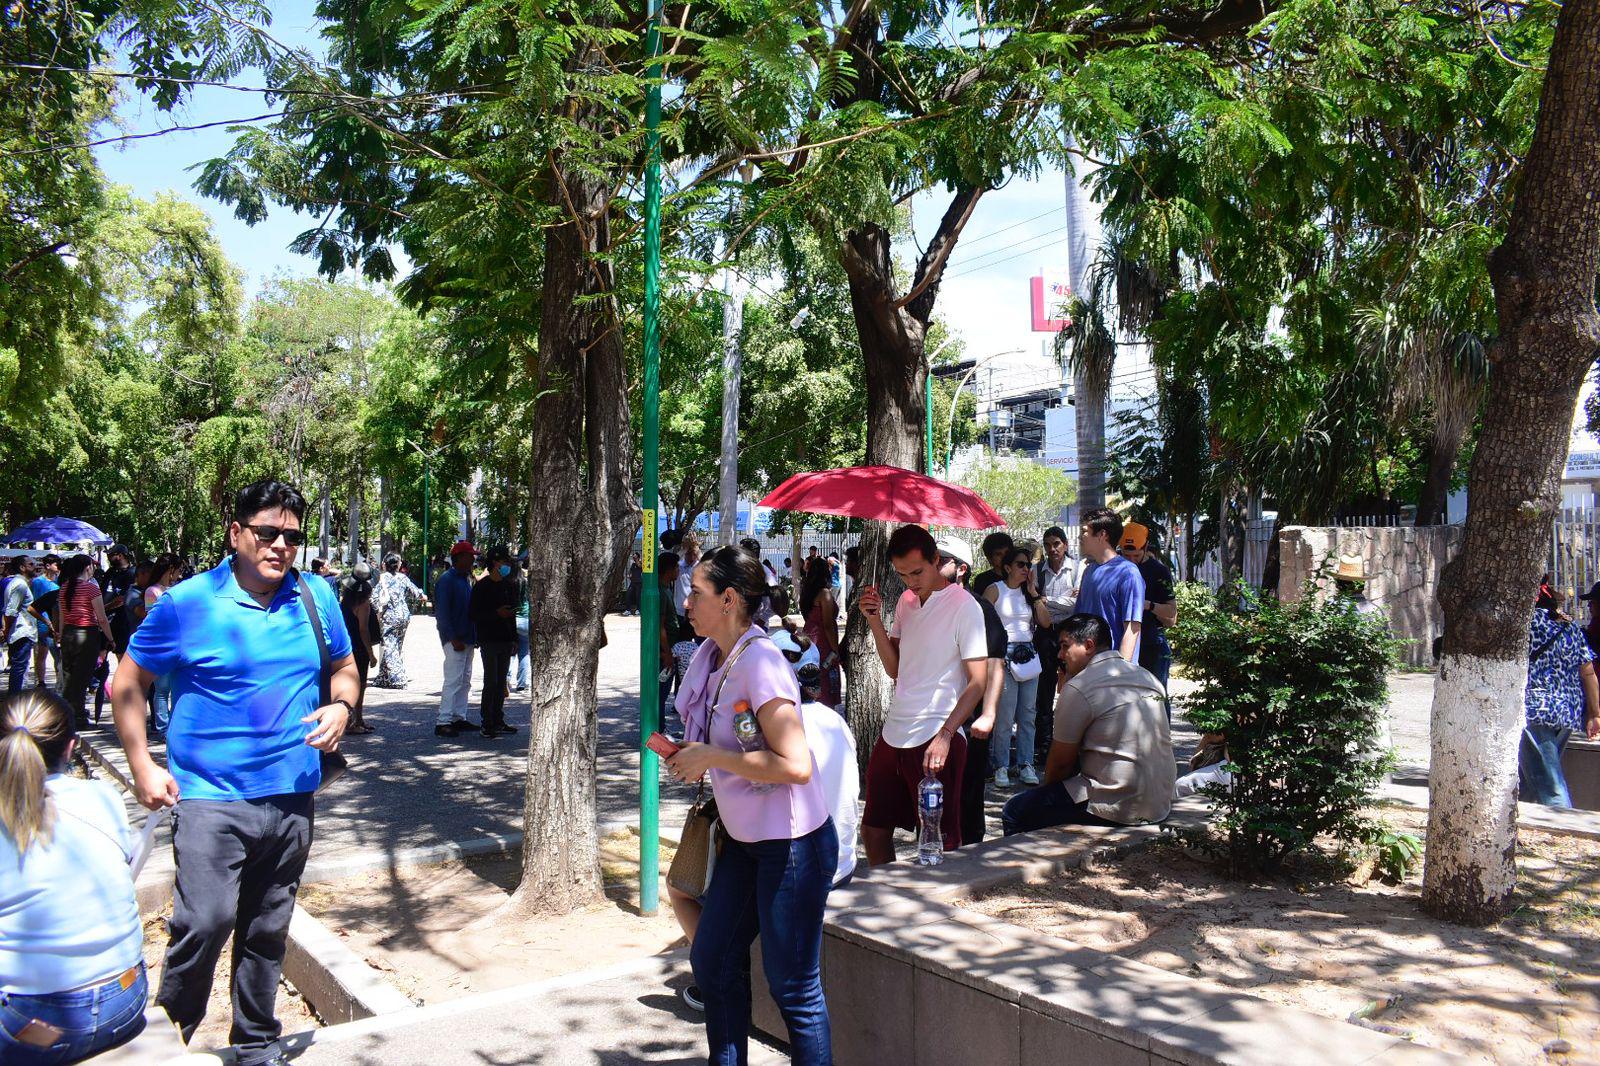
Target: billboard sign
1051 291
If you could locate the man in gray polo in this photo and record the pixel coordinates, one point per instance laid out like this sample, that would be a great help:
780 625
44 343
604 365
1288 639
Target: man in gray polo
1110 759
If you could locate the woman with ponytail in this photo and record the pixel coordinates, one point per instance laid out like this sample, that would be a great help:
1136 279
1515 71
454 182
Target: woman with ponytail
72 980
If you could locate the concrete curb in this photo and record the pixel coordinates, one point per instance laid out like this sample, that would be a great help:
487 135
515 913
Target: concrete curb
1574 823
338 983
659 967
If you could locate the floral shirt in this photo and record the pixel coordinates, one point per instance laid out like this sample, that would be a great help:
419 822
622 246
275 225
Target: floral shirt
1555 695
393 598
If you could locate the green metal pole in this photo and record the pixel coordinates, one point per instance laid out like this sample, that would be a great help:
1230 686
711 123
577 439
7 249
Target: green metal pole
927 424
426 558
650 600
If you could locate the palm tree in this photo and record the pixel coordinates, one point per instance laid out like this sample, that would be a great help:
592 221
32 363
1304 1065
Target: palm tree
1124 289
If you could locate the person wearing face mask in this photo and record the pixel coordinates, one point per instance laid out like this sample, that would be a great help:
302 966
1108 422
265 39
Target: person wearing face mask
493 609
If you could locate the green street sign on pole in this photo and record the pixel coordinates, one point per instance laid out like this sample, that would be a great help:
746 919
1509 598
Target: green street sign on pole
650 495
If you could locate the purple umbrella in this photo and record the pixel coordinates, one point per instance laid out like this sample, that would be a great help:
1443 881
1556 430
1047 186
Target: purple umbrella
56 531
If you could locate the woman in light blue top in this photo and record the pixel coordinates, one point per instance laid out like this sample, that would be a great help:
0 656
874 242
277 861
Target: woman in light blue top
72 980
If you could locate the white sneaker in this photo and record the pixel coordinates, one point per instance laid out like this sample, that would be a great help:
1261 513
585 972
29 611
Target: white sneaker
1028 777
1001 778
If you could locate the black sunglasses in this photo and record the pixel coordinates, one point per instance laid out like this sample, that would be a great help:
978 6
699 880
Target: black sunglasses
269 535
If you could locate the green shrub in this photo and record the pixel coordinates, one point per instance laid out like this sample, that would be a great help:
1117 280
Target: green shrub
1301 690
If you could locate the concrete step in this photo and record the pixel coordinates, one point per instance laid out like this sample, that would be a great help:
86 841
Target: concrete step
619 1014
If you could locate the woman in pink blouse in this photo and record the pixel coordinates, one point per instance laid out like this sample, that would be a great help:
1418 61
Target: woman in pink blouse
740 706
85 631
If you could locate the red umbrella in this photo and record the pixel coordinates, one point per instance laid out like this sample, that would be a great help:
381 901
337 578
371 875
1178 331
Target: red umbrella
885 493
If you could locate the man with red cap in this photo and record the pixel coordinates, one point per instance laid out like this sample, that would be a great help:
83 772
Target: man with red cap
452 597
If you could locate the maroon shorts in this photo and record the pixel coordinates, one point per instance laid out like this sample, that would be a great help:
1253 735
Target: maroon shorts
893 777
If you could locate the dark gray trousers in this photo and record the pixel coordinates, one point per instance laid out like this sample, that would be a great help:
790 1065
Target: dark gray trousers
239 866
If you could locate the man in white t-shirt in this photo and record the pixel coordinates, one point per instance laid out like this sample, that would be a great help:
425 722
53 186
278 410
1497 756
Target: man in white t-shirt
937 655
833 752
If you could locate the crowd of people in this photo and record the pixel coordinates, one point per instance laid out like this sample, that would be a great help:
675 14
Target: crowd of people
1044 671
754 691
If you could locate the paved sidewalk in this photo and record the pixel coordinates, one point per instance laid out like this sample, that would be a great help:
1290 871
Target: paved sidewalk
625 1014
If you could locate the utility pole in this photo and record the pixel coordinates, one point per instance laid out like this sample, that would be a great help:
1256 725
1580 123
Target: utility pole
650 600
992 411
732 360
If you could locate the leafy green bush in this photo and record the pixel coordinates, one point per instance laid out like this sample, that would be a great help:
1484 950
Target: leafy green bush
1300 690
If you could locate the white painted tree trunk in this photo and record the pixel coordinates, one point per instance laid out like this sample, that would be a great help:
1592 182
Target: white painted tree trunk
1476 726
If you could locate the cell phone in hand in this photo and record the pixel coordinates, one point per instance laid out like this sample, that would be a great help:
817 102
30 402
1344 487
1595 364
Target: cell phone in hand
662 745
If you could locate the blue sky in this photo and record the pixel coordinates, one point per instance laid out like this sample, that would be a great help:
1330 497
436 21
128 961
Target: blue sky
160 164
1014 232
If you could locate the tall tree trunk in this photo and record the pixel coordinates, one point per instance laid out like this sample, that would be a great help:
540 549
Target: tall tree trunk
385 518
582 503
1549 331
1434 498
355 545
325 528
892 330
1089 417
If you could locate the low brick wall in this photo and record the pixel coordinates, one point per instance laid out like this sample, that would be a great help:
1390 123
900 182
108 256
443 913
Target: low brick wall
1404 564
1580 763
914 980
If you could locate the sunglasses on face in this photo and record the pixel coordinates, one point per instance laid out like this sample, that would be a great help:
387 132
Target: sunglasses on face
268 535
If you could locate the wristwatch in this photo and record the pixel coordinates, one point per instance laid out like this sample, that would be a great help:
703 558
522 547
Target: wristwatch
348 706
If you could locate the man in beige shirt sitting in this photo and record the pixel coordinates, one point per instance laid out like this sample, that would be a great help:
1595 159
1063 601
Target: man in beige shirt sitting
1110 761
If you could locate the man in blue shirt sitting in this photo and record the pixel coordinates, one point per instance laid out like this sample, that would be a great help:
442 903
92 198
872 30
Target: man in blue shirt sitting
452 597
243 756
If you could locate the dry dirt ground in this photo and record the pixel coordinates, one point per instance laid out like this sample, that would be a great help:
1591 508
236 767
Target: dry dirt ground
212 1035
1526 990
435 934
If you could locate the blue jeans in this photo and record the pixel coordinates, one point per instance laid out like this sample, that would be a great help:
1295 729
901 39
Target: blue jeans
161 703
1539 776
521 680
1019 703
1043 807
777 889
21 654
91 1020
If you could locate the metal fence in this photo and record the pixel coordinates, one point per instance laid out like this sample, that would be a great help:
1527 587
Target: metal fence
1574 559
1575 551
1257 542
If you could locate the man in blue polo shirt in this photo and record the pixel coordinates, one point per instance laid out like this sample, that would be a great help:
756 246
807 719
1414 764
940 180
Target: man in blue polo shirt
243 756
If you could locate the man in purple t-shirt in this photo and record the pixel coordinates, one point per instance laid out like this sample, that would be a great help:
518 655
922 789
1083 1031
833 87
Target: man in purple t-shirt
1111 586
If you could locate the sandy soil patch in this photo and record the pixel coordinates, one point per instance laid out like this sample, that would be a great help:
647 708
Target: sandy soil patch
1525 990
433 931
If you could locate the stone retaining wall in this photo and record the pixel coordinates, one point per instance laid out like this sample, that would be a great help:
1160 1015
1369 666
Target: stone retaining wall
1404 565
913 980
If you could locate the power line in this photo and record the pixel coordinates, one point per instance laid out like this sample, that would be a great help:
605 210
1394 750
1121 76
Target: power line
973 267
971 241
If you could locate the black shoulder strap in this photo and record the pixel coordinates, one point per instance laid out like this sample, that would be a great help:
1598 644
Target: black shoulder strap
309 602
1539 652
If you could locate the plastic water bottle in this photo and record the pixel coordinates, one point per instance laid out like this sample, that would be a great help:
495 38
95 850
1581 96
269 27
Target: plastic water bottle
930 807
747 731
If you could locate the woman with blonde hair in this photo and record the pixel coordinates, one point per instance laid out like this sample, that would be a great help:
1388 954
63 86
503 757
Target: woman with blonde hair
72 980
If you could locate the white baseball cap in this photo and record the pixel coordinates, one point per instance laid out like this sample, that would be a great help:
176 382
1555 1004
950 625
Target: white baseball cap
956 549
